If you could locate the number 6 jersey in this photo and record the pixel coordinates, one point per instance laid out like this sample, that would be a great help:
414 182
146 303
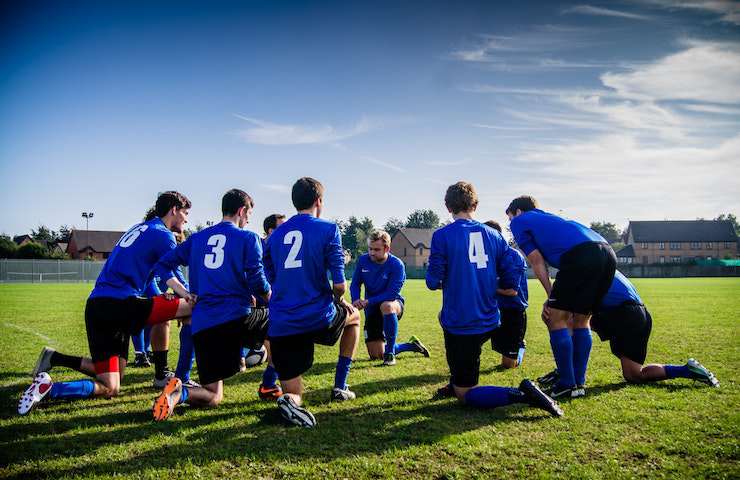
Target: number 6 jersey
297 258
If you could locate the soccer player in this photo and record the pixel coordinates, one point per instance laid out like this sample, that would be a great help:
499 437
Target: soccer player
586 265
508 339
226 262
304 308
466 261
115 309
624 321
383 275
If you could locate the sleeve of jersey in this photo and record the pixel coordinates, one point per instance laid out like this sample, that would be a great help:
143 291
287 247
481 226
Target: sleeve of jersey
268 263
522 236
395 284
152 289
335 257
354 287
507 268
168 264
254 267
437 262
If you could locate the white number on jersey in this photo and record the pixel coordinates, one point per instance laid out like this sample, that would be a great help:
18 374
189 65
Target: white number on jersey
294 238
215 259
130 237
476 251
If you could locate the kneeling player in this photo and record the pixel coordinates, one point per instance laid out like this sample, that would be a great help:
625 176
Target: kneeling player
624 321
304 309
115 309
466 261
383 275
226 263
508 339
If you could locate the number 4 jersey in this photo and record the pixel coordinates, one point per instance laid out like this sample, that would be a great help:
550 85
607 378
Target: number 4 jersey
297 258
225 267
465 261
128 269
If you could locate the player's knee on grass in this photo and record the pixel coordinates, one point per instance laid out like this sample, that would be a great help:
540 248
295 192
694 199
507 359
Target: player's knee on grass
375 349
631 371
460 392
507 362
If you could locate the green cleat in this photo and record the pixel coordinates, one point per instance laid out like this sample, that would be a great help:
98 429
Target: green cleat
700 373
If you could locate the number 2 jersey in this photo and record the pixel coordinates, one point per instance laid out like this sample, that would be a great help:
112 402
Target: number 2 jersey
467 261
227 263
128 269
298 256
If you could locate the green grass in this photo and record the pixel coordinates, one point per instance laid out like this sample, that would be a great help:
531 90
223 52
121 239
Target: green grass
677 429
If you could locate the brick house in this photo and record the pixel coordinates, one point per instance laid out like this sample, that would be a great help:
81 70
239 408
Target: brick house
92 244
678 241
412 246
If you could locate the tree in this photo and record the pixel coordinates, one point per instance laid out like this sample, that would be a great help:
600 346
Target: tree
393 225
32 250
731 218
65 231
7 247
423 219
44 234
609 231
354 234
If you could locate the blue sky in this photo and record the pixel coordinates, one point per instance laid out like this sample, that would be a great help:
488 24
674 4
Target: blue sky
602 110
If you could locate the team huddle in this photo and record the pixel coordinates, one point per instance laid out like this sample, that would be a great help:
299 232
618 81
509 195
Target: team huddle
274 298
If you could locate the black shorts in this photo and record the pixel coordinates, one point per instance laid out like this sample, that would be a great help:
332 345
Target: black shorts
292 355
218 349
585 275
463 357
109 323
508 338
374 322
627 327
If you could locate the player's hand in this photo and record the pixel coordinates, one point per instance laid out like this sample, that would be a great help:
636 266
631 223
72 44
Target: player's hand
252 301
169 296
192 299
545 312
358 304
350 308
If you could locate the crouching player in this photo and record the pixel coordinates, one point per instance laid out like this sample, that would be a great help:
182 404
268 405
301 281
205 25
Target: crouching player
626 323
466 260
383 275
115 309
508 339
304 308
226 263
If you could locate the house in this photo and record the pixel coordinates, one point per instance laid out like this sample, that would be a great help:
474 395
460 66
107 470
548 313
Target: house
92 244
412 246
21 240
678 241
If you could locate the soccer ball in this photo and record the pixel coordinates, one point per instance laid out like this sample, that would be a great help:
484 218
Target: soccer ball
255 357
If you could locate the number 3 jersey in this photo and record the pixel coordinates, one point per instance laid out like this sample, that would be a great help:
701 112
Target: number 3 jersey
297 258
128 269
225 267
465 261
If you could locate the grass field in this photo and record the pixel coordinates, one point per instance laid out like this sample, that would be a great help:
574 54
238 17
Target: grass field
677 429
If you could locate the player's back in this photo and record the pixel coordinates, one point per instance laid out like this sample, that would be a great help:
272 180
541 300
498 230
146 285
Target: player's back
621 291
128 269
299 254
466 256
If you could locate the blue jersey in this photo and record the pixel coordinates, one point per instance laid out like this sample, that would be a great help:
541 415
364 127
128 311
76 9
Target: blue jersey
383 281
128 269
299 253
620 292
550 234
157 286
467 261
227 262
520 301
260 301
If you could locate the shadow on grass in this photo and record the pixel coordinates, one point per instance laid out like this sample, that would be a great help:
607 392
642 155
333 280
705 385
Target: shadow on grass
344 430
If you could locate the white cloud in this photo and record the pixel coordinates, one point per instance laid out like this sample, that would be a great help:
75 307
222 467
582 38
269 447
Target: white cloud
447 163
267 133
728 10
605 12
716 109
387 165
275 187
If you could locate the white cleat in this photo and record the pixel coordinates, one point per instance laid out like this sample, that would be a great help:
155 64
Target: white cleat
35 393
700 373
294 414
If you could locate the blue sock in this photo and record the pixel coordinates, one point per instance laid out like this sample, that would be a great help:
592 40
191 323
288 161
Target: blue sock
147 338
390 330
582 342
270 376
184 396
562 350
245 351
137 339
75 389
677 371
340 377
404 347
492 397
187 354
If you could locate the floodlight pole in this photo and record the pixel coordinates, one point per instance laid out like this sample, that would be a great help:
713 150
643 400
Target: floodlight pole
87 216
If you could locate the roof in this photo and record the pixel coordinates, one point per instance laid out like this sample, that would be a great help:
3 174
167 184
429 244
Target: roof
683 231
417 236
20 238
98 240
627 251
